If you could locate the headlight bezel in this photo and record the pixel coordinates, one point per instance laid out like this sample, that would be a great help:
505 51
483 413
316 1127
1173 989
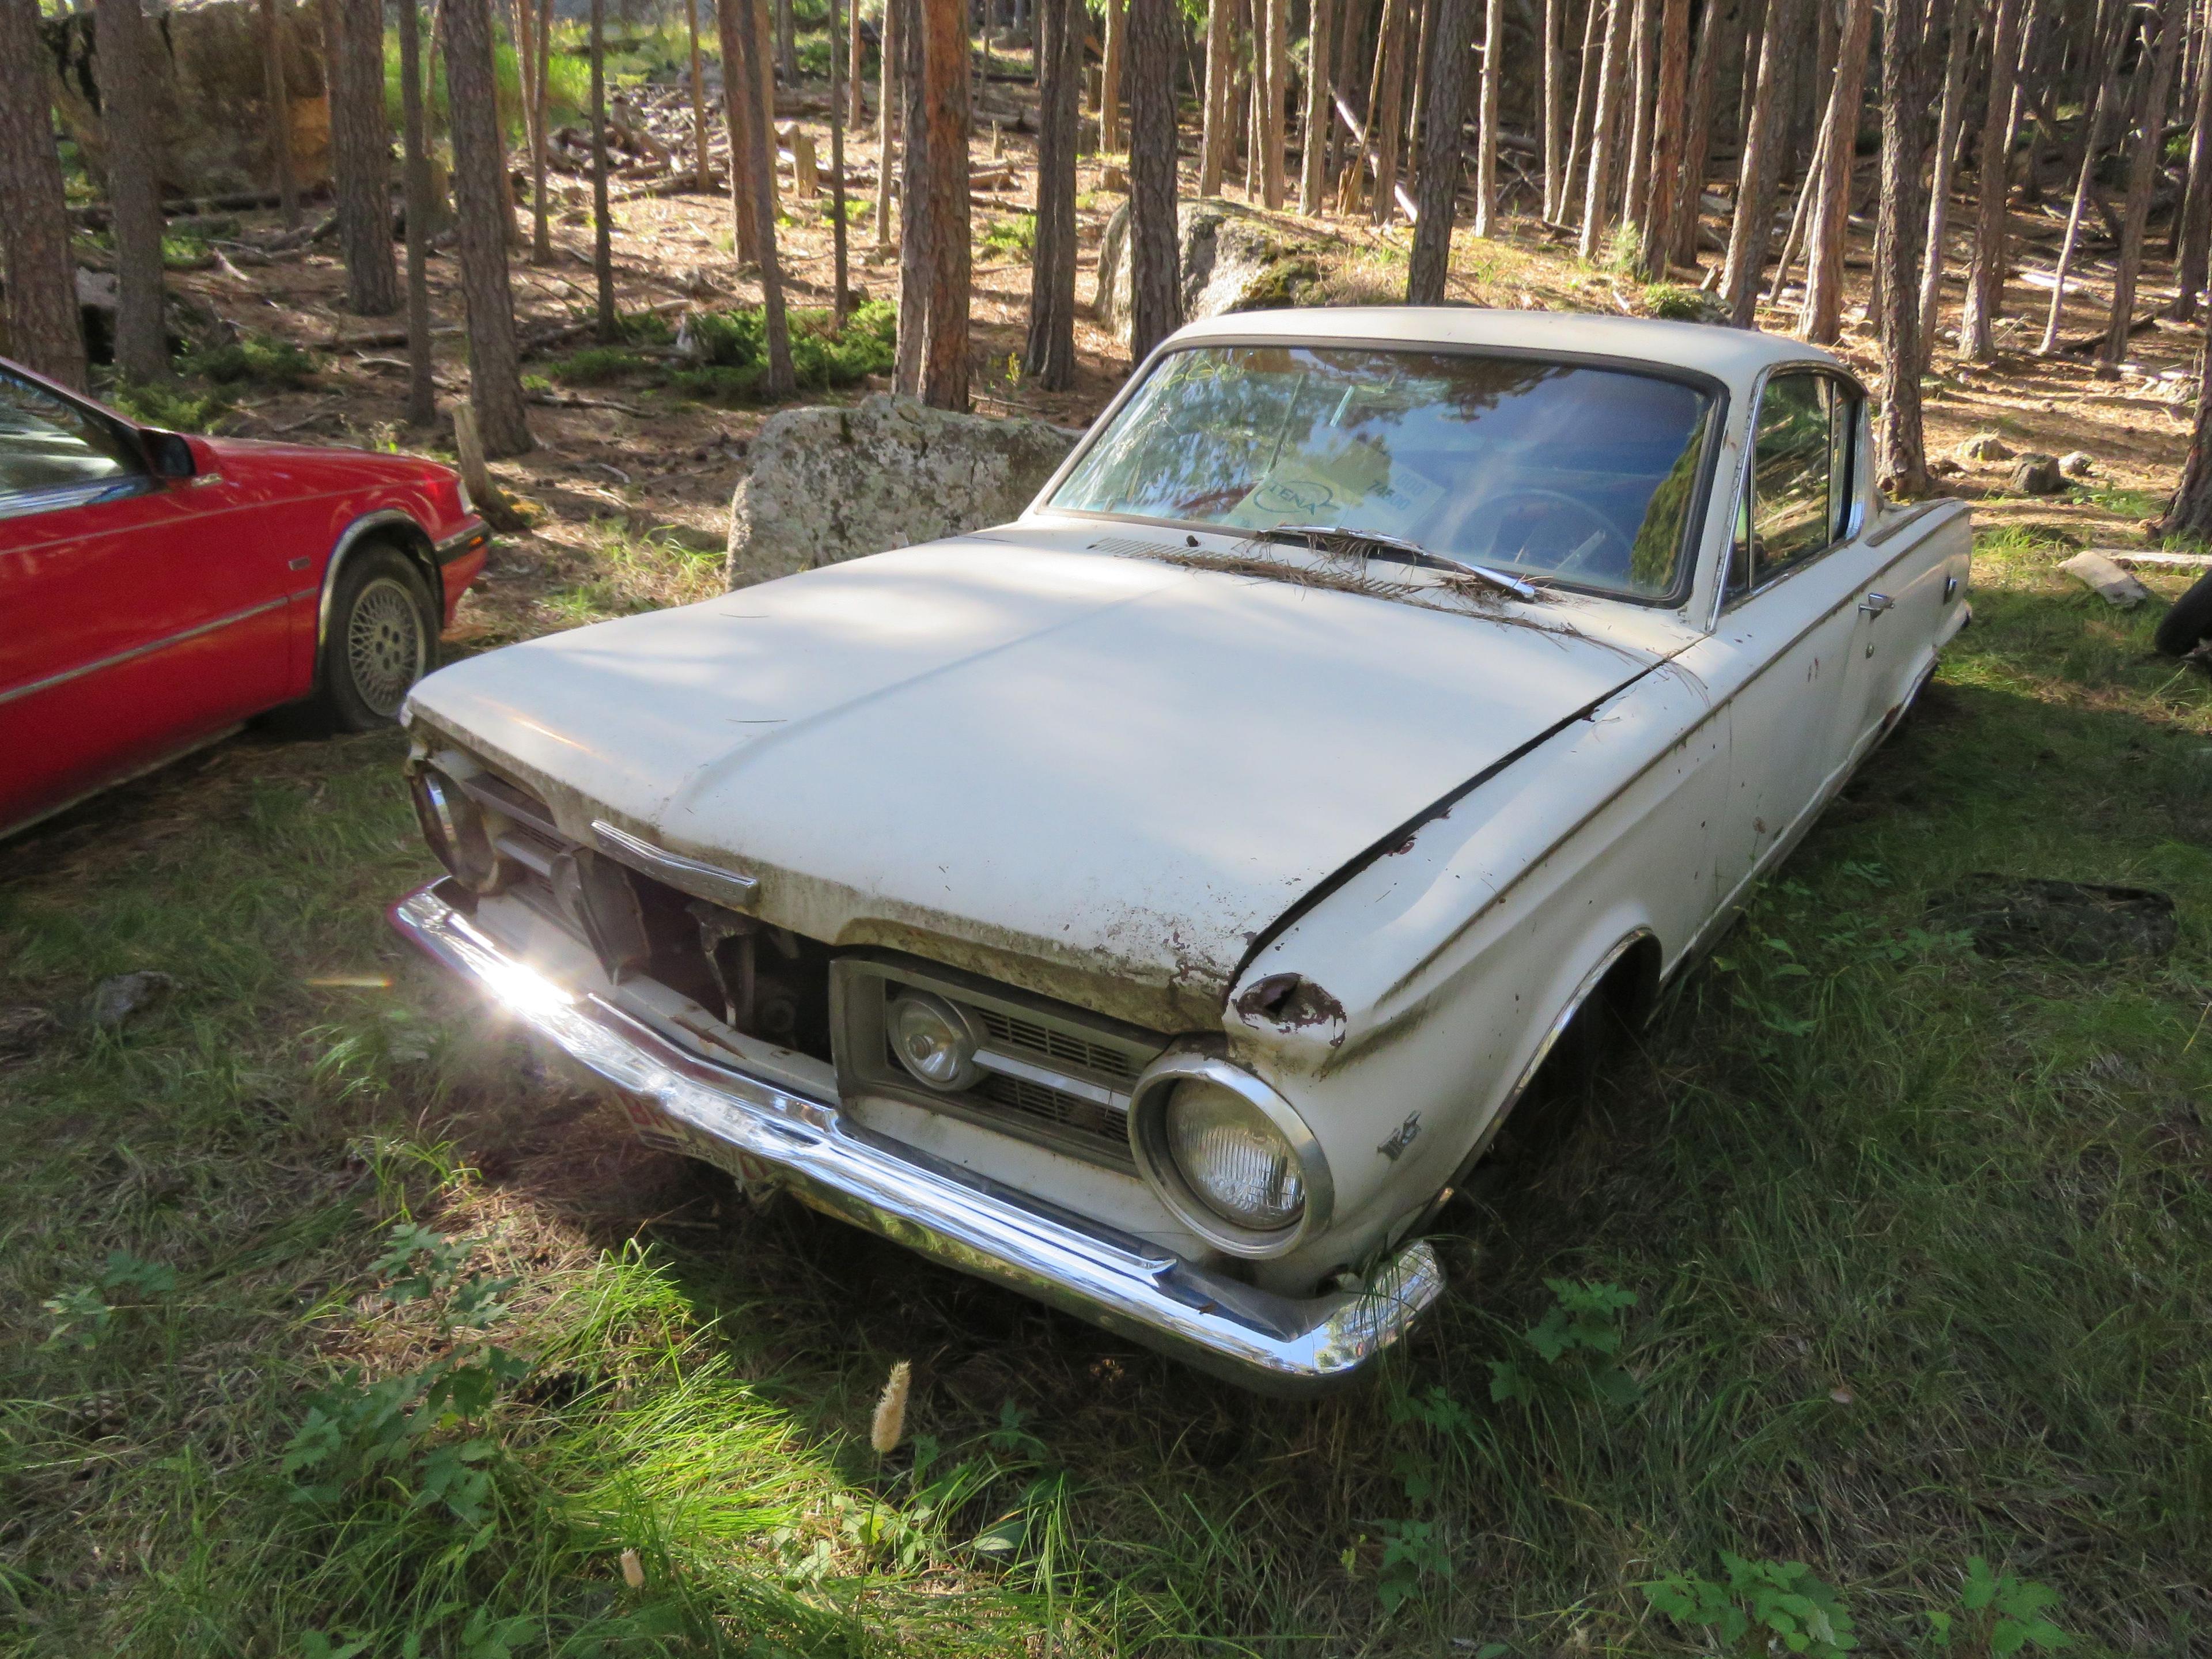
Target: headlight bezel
454 823
968 1040
1155 1160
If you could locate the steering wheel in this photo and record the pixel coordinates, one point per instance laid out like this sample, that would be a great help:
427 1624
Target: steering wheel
1560 533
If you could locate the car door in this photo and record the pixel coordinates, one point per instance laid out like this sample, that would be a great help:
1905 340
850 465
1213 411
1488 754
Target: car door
1780 653
134 620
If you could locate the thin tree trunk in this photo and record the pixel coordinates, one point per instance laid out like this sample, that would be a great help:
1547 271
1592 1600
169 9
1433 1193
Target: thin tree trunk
1985 278
841 296
1486 165
1417 89
1822 317
361 158
887 96
786 40
43 333
415 183
494 363
915 223
1668 117
1698 133
733 21
856 111
702 173
1155 281
1451 28
1313 160
602 258
1049 352
1555 109
1949 129
1903 461
945 79
1386 119
541 209
1750 232
2194 235
1585 116
1637 182
2143 175
778 381
2188 513
521 13
1800 214
142 348
1605 131
1110 78
2101 67
1275 124
1220 73
277 91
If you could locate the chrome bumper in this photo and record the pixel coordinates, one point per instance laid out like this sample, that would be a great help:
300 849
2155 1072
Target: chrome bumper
1261 1341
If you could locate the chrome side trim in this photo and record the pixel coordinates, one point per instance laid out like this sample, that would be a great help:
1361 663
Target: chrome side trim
137 651
700 880
1274 1343
444 553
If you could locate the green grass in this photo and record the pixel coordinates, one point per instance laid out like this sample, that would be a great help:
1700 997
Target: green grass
1920 1246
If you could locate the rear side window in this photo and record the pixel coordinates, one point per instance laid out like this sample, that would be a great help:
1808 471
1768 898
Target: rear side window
49 443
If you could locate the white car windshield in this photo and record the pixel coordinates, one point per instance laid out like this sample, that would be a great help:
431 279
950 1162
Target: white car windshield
1541 470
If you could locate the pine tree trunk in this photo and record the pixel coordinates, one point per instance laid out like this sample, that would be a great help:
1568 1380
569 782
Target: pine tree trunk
778 381
361 158
1220 112
1155 281
1605 131
1275 124
915 221
1485 165
2194 235
856 112
43 333
1594 12
841 250
602 258
479 154
1313 161
277 89
2143 175
733 23
2188 514
1985 278
1668 113
1822 318
702 172
1451 29
1387 109
892 48
944 75
2099 97
120 45
786 40
1751 231
1424 14
1110 78
1687 216
1902 463
415 183
1049 352
1637 182
541 209
1554 106
1950 122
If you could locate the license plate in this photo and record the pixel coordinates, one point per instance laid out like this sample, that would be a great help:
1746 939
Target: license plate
755 1175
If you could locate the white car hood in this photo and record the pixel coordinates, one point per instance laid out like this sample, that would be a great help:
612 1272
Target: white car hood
1100 776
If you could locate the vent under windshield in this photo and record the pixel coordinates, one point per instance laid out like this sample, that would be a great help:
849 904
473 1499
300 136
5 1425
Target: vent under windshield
1544 469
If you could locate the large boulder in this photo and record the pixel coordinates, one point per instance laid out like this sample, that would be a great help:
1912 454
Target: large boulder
827 484
1233 259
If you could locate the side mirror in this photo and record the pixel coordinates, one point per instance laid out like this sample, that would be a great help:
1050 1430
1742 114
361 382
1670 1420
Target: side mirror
168 454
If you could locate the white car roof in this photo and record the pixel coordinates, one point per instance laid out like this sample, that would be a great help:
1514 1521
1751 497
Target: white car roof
1732 355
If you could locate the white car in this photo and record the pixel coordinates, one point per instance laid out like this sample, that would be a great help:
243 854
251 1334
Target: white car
1158 904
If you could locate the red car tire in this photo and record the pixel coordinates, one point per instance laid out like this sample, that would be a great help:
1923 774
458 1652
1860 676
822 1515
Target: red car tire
382 637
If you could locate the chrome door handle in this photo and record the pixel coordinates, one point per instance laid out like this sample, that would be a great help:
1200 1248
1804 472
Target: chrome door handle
1874 604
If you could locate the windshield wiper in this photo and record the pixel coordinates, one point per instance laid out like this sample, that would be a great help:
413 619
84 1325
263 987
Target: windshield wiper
1397 547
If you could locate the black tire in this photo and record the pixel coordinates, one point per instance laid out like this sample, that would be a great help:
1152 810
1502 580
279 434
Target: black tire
2188 621
382 637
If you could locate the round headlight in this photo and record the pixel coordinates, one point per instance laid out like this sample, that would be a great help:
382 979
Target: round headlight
933 1040
1236 1162
454 826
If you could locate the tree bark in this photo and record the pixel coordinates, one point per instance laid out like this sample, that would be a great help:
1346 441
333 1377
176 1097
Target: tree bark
1637 182
361 158
1049 352
142 348
703 173
1669 114
1579 130
786 40
2099 95
602 258
856 112
2143 175
1450 30
1985 278
1387 109
479 154
1822 317
754 45
415 182
1275 124
1554 105
2193 237
733 22
1313 160
2188 513
1605 131
1219 112
946 104
1155 281
1752 230
541 213
277 90
1485 164
43 333
841 250
1902 463
1950 123
1698 133
892 48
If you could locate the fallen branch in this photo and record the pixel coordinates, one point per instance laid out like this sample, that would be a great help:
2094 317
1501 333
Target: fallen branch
569 400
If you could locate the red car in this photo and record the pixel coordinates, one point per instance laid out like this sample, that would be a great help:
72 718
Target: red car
156 590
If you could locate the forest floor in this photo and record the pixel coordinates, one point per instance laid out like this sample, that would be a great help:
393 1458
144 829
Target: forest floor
1920 1242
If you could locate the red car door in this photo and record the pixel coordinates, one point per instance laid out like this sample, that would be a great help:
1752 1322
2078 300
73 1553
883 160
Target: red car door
138 615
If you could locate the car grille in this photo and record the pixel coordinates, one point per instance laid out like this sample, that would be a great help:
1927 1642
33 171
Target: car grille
1047 1044
1107 1125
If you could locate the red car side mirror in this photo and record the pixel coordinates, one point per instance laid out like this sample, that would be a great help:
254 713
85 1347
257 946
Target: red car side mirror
167 454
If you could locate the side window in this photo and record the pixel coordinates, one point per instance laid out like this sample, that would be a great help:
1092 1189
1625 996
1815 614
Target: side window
1792 457
48 442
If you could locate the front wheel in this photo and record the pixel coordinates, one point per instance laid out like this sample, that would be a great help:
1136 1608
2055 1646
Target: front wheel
382 637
